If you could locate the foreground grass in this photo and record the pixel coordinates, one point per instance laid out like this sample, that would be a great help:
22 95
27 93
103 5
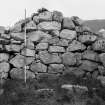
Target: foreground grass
18 93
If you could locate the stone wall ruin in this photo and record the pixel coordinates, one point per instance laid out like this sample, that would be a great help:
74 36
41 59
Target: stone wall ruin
55 45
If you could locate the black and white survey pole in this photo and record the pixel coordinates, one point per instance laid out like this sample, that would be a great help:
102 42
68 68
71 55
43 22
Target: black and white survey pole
25 42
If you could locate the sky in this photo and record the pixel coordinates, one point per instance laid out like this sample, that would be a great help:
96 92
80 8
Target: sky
13 10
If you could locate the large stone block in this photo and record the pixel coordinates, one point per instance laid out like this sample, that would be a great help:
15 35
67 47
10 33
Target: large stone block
69 59
48 58
4 67
55 49
76 46
18 61
102 58
88 65
68 34
68 23
49 26
18 36
90 55
99 45
57 16
87 39
42 46
55 68
4 57
38 67
28 52
36 36
18 73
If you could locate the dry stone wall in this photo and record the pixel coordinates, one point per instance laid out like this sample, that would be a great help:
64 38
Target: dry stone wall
54 45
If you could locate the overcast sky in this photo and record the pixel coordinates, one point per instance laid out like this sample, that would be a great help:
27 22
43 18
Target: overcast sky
13 10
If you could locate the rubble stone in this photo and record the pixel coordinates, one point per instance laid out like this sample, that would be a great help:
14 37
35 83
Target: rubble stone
38 67
48 58
48 26
18 61
68 34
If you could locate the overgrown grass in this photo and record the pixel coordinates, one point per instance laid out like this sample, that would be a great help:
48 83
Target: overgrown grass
17 93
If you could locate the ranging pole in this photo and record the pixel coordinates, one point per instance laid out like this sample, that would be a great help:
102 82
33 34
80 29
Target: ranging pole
25 40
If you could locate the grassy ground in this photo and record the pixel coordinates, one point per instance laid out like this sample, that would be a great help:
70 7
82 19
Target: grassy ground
18 93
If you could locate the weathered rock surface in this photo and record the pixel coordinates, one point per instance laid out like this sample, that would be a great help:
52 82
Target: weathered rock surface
48 26
68 23
90 55
57 16
18 73
102 58
18 61
68 34
88 65
99 45
54 45
36 36
55 68
69 59
4 67
42 46
28 52
38 67
76 46
55 49
87 39
4 57
48 58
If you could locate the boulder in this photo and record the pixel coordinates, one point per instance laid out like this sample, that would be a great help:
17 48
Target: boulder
76 46
31 26
28 52
48 58
30 44
6 36
102 58
36 36
29 60
87 39
18 73
63 43
4 67
49 26
4 57
99 45
4 41
57 16
53 40
3 75
42 46
55 68
55 49
68 23
69 59
13 47
18 61
68 34
18 36
88 65
90 55
77 21
44 16
38 67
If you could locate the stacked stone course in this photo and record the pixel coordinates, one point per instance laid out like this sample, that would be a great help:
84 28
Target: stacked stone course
54 45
